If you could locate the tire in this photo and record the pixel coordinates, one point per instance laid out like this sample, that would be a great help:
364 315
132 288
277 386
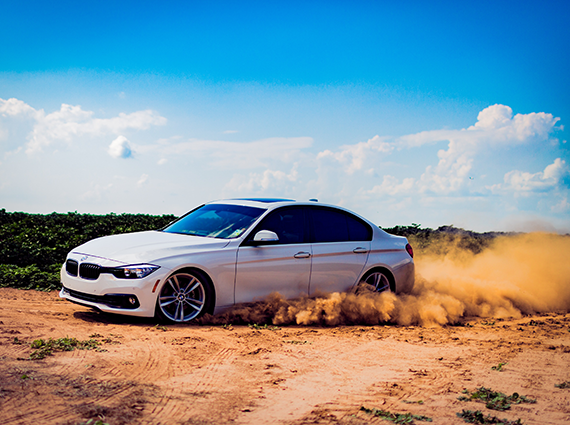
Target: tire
379 279
185 296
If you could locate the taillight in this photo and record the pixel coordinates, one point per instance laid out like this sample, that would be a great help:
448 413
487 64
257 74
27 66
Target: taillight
410 250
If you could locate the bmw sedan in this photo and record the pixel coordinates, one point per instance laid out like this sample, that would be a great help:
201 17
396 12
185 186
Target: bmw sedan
234 251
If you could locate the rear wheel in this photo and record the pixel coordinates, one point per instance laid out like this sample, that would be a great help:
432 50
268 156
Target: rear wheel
184 296
379 280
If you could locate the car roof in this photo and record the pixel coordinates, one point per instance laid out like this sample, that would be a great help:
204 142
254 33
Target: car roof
265 200
265 203
273 203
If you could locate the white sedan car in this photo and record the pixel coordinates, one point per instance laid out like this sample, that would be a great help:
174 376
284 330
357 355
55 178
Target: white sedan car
233 251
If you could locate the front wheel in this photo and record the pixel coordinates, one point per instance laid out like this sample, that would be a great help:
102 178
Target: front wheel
378 280
184 297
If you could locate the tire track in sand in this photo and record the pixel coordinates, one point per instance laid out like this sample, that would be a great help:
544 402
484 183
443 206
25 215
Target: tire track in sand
178 391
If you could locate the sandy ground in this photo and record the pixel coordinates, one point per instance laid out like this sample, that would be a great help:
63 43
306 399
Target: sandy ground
149 374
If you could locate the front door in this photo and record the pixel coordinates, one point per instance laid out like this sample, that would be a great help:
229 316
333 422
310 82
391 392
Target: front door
283 266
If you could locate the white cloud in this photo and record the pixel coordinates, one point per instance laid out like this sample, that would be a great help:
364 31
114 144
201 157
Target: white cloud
495 116
97 193
497 121
562 206
142 180
269 181
13 107
236 155
449 174
120 148
162 161
525 183
495 127
391 186
71 122
354 157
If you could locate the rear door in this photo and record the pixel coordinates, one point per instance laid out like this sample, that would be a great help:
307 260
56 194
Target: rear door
283 266
341 243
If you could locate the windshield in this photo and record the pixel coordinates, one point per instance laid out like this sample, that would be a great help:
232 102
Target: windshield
216 221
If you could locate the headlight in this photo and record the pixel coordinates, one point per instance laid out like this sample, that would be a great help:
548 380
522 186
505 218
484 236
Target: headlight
137 271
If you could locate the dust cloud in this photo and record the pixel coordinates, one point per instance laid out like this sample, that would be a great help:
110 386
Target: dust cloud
514 275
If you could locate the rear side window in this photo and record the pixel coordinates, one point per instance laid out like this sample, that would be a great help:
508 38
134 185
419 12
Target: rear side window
358 230
330 225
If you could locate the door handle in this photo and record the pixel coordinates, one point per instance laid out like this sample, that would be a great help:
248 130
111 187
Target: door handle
360 250
302 255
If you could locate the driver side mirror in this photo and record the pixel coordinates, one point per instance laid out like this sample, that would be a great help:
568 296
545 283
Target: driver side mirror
265 236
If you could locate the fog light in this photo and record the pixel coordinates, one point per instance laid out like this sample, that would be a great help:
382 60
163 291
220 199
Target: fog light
132 300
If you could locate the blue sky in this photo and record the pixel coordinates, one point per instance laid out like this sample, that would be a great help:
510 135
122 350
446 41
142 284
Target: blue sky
406 112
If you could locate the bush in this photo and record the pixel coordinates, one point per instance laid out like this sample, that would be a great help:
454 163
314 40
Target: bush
34 246
441 241
29 277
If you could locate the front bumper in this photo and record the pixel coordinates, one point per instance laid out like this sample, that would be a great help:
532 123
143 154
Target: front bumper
122 301
133 297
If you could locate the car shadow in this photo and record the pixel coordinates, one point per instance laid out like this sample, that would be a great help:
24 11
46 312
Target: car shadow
94 316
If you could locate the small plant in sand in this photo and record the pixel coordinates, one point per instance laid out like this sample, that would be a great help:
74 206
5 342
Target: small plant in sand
413 401
266 326
397 418
495 400
94 422
42 348
499 367
160 328
477 417
563 385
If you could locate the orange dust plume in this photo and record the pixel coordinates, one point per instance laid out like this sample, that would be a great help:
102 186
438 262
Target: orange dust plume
515 275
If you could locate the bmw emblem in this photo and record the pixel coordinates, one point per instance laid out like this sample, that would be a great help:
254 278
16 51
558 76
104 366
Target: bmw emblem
84 258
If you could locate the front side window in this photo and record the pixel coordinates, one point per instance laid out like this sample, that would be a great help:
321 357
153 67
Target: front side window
216 221
287 223
330 225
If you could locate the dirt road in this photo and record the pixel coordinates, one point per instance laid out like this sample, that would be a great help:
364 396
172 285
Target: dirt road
138 372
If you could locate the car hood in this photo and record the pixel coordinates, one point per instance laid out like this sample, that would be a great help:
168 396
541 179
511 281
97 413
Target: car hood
143 247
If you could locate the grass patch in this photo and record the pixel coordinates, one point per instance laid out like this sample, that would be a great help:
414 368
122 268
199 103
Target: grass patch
94 422
495 400
397 418
499 367
477 417
160 328
42 349
266 326
563 385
